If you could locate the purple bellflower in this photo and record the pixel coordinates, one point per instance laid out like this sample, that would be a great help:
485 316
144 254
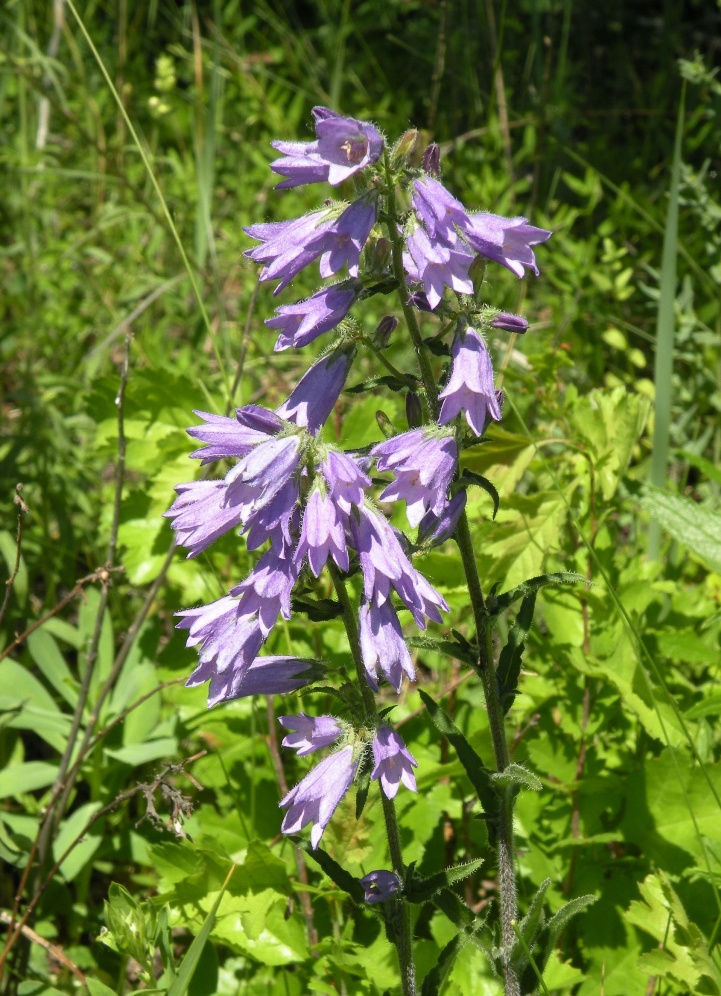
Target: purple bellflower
323 533
423 463
275 519
438 210
276 676
383 646
228 643
200 515
507 241
436 529
342 242
267 588
346 480
304 321
470 388
316 797
311 732
226 437
284 245
394 763
380 885
430 262
300 163
316 393
262 473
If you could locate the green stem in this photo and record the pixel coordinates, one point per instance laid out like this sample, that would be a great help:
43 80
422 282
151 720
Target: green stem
398 909
485 666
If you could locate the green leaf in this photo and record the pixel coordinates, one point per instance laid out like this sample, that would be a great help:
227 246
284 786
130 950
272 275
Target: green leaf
317 609
419 890
433 982
698 528
566 913
180 984
470 477
498 603
46 654
96 988
479 776
388 380
454 908
528 928
711 471
449 648
8 549
517 776
27 777
151 750
509 664
343 879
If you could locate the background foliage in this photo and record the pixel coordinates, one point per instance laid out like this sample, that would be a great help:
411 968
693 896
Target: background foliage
563 112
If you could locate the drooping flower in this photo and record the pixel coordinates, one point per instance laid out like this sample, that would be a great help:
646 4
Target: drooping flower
300 163
316 797
435 265
380 885
507 241
346 480
200 516
436 529
284 245
316 393
509 323
276 676
343 240
311 733
323 533
304 321
274 519
470 388
394 763
423 463
383 646
228 643
261 474
267 588
227 437
438 209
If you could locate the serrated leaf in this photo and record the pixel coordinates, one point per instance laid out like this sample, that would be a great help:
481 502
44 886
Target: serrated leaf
698 528
509 664
566 913
454 908
471 477
419 890
498 603
448 648
516 775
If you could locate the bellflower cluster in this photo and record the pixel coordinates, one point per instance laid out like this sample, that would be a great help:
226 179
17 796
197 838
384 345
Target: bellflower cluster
312 505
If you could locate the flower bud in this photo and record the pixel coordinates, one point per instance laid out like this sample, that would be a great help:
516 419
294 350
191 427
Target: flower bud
414 412
510 323
477 271
380 885
405 146
432 161
384 330
385 424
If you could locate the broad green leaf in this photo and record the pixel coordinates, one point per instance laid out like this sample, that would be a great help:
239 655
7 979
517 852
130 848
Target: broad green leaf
46 654
698 528
71 830
96 988
151 750
28 777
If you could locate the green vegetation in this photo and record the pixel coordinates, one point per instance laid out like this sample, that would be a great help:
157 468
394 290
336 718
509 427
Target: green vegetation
139 831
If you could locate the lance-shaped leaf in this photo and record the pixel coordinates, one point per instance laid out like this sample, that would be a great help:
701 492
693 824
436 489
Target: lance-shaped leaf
388 380
516 776
433 982
478 774
419 890
343 879
454 908
509 664
566 913
496 604
470 477
528 929
449 648
317 609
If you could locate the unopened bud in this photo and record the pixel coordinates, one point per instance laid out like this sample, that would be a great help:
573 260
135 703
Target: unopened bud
414 411
405 146
500 398
477 271
384 330
432 160
379 255
385 424
510 323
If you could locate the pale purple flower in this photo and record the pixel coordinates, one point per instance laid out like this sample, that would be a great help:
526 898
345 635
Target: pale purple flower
430 262
262 473
200 514
284 245
342 242
509 323
316 797
394 763
507 241
380 885
228 643
311 732
268 587
470 388
274 519
317 391
304 321
383 646
276 676
300 162
323 533
346 479
438 209
259 419
436 529
226 437
423 463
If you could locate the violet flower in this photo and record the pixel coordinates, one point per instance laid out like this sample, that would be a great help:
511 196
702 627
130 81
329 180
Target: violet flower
436 529
300 163
316 797
433 264
316 393
226 437
311 732
284 247
423 463
323 533
304 321
262 473
200 515
228 643
380 885
383 646
276 676
274 519
438 210
344 239
346 480
509 323
267 588
507 241
470 388
394 763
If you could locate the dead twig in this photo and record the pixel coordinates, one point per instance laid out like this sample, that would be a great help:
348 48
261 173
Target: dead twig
22 510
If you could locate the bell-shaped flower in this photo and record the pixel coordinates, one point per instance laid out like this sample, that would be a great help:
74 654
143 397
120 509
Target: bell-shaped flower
304 321
310 733
274 519
276 676
262 473
284 245
394 763
438 209
346 480
509 323
507 241
226 437
383 646
323 533
316 393
380 885
300 163
435 265
423 463
436 529
200 516
267 588
470 388
316 797
344 239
